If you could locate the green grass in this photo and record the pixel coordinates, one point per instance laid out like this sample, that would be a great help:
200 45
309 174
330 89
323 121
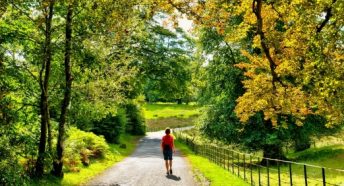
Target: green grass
329 157
326 156
96 167
216 175
172 122
167 110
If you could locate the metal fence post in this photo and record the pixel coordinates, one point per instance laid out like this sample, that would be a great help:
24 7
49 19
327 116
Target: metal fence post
290 175
251 170
244 167
323 176
228 160
208 152
238 164
305 174
213 154
224 157
268 171
217 155
258 173
279 173
232 161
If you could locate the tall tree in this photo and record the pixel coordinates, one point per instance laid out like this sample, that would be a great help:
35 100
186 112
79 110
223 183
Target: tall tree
288 77
290 57
58 162
165 58
112 60
44 76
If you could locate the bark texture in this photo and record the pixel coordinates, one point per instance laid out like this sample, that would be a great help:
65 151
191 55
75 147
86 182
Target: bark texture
44 86
58 163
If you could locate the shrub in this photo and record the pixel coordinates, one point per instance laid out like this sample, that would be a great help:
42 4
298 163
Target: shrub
111 127
81 147
135 124
11 173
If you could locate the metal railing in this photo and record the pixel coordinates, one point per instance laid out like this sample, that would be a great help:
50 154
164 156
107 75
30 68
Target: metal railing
265 171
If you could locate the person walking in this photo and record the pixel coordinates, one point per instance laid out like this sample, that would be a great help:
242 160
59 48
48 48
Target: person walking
167 147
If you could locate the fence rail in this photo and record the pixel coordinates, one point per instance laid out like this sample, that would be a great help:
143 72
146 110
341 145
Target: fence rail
272 172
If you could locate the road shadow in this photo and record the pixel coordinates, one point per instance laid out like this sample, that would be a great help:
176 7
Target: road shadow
173 177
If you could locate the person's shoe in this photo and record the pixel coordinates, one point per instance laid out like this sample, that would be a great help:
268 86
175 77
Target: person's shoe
170 171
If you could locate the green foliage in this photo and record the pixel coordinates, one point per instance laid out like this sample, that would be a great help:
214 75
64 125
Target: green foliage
165 57
11 173
136 123
82 147
97 166
220 91
111 127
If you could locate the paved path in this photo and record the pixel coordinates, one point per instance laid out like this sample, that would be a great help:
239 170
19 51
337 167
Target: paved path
146 167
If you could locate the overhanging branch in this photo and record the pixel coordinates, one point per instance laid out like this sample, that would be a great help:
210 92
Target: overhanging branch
328 15
257 9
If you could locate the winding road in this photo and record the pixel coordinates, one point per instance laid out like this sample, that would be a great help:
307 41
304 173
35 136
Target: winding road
145 167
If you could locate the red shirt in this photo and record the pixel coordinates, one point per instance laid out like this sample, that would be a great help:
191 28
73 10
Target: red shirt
167 140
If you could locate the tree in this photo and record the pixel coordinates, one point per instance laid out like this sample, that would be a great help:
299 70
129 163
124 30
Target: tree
44 76
58 162
165 57
32 31
100 11
288 70
221 88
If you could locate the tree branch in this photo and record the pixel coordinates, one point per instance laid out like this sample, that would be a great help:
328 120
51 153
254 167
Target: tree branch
257 9
231 51
328 15
26 14
180 9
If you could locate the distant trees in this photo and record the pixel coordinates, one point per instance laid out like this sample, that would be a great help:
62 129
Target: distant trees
165 64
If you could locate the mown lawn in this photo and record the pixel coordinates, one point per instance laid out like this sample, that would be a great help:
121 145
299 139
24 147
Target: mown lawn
173 122
214 174
167 110
96 167
162 115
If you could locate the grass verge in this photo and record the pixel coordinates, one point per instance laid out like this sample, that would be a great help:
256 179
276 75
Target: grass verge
96 167
217 176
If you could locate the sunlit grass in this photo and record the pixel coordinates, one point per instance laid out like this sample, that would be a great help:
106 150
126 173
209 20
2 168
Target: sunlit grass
216 175
172 122
167 110
331 157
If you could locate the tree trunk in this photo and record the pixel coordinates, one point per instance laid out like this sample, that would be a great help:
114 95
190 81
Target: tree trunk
273 151
44 105
50 145
58 163
301 141
179 101
301 145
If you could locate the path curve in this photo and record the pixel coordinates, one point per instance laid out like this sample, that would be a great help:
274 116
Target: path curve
145 167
